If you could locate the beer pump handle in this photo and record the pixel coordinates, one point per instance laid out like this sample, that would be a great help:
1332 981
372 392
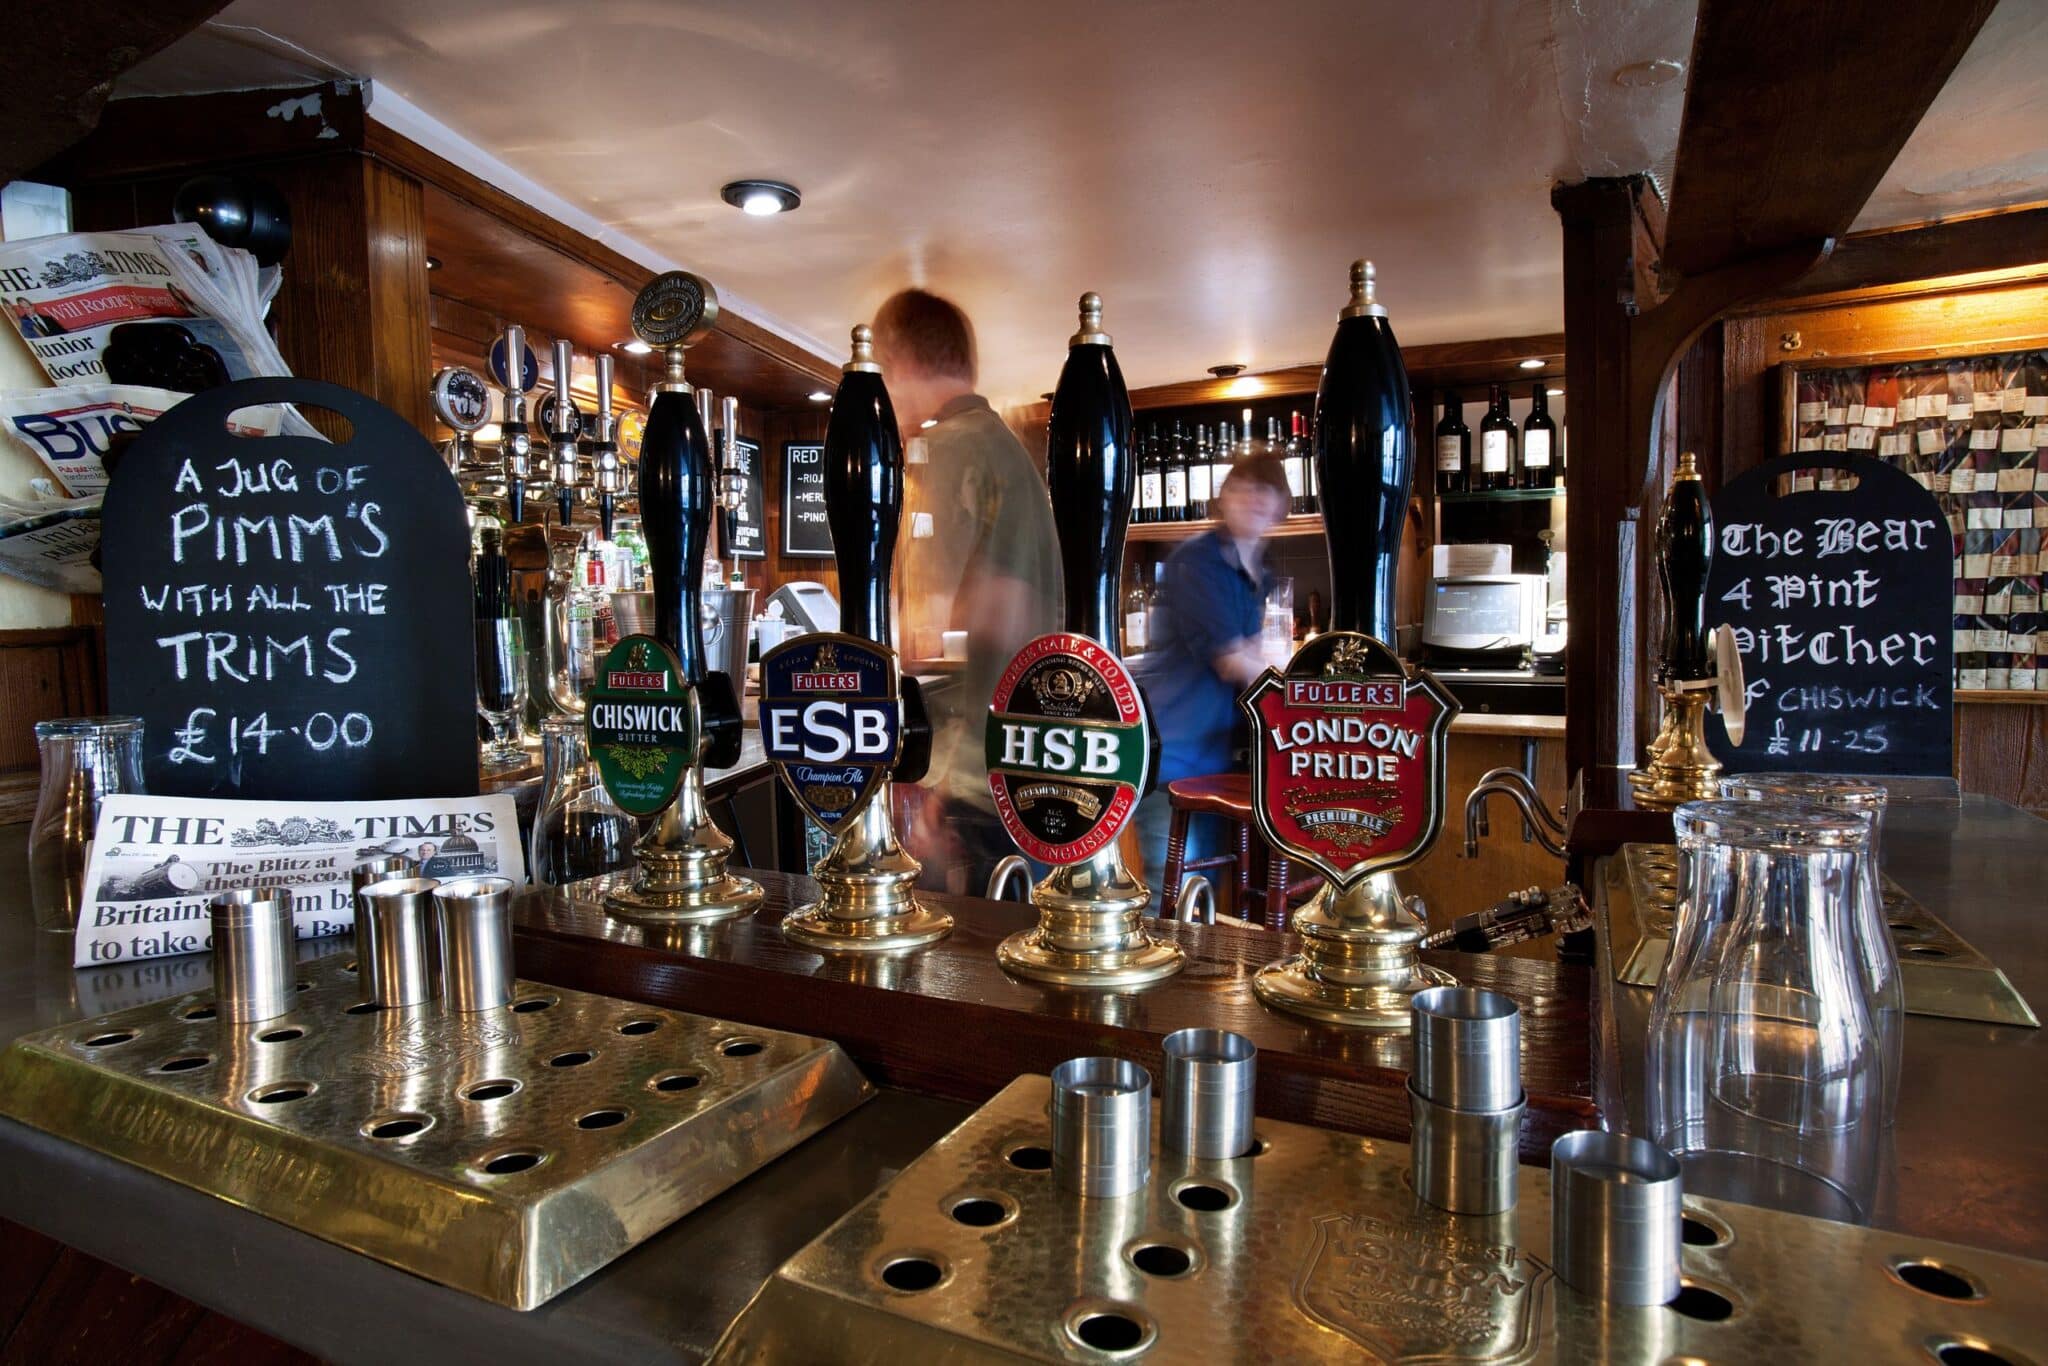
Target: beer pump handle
676 492
562 437
863 491
604 452
1365 460
514 445
863 504
1685 551
731 479
1090 468
1089 474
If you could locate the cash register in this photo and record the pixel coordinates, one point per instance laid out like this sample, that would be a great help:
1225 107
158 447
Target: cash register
1492 639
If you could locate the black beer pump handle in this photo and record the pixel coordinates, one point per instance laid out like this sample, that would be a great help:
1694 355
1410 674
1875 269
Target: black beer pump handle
1089 473
1364 460
675 516
1685 552
863 491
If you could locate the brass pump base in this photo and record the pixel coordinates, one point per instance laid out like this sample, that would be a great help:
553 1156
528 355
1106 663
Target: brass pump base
1679 767
1357 964
1090 930
681 876
866 904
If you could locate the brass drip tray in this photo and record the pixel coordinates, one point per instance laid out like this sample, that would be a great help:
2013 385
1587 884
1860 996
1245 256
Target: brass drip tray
1316 1249
1943 973
508 1153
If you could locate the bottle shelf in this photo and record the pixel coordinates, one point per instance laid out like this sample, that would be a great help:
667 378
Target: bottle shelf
1501 496
1307 524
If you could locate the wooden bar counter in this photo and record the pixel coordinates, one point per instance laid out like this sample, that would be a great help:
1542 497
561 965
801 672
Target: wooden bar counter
947 1021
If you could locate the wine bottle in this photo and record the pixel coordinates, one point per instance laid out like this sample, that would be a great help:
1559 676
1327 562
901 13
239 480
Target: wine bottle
1497 464
1364 461
1685 550
1308 460
1539 442
1221 456
1453 448
1298 465
1290 462
1199 491
1150 493
1174 477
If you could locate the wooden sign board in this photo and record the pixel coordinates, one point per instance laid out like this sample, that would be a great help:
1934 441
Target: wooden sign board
805 531
1840 603
291 617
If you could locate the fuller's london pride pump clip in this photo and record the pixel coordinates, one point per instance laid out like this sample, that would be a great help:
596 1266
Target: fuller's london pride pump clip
1069 751
1348 769
641 720
831 721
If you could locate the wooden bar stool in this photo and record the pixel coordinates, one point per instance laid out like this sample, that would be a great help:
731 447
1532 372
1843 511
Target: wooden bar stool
1228 795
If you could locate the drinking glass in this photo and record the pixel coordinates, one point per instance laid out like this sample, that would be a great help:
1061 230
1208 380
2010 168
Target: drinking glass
1876 956
578 831
501 688
84 758
1764 1075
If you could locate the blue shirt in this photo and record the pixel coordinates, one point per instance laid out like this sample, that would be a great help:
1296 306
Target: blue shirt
1207 604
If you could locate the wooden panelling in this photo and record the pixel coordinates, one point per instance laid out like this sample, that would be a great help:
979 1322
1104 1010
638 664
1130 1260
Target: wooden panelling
44 674
2002 749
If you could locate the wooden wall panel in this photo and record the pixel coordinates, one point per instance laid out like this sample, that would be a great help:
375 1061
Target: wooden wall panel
44 674
2002 750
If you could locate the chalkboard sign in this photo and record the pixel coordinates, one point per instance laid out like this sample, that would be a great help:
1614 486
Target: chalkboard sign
805 532
1839 599
750 525
290 617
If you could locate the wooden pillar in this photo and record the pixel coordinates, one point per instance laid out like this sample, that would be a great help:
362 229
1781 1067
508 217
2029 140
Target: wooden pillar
1601 516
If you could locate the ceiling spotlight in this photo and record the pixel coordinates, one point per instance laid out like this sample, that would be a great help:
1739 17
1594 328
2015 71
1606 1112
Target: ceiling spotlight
1554 393
635 347
1533 363
761 198
1638 75
818 396
1226 371
929 422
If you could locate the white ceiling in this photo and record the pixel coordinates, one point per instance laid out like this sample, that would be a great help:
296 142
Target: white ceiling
1210 166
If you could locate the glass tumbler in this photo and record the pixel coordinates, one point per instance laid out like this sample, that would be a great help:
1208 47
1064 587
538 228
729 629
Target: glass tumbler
578 831
84 758
1876 955
1764 1074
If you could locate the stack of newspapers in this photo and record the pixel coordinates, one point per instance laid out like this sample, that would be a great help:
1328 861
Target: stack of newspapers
123 325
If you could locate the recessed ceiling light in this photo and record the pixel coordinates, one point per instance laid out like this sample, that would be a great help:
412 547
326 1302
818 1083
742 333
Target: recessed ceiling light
635 347
1226 371
1638 75
819 396
1554 393
1533 363
761 197
929 422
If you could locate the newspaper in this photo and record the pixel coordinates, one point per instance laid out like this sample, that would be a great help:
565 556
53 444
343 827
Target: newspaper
150 293
156 862
50 541
72 428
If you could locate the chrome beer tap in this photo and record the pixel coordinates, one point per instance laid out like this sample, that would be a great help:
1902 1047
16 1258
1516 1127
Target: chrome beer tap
515 446
563 431
605 473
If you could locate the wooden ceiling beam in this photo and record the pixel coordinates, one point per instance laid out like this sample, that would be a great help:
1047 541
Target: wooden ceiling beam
1793 114
2005 239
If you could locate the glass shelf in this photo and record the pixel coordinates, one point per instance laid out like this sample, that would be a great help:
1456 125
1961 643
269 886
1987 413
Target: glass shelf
1501 496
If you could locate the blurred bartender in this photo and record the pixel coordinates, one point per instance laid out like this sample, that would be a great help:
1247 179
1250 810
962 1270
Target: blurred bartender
981 558
1204 651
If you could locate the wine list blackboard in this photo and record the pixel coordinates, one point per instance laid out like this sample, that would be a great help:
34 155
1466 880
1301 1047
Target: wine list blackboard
750 526
805 531
1840 603
292 618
